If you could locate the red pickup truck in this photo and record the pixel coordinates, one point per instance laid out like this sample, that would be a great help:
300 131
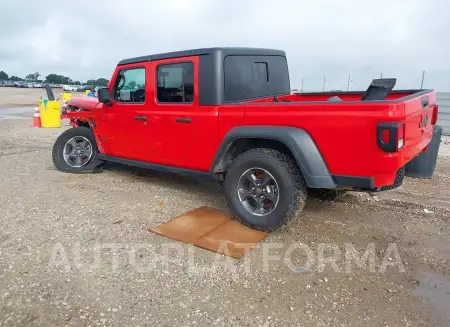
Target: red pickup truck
228 114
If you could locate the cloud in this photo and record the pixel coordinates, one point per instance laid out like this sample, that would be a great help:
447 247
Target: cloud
85 39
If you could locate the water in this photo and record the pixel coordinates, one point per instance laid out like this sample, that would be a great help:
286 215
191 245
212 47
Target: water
9 117
16 113
434 290
443 100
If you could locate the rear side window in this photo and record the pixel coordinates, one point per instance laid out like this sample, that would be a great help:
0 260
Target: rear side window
130 86
249 77
175 83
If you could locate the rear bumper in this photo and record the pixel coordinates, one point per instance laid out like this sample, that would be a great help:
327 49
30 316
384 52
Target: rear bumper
384 170
399 177
354 182
367 183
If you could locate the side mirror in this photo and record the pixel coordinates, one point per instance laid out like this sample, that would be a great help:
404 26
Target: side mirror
104 96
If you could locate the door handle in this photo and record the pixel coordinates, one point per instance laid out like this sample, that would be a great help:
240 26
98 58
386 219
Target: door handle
140 117
182 120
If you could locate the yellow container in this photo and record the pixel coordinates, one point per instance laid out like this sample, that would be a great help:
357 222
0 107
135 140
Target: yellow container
41 107
66 96
50 114
88 91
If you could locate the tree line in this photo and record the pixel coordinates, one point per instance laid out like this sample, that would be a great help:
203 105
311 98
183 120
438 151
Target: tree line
53 79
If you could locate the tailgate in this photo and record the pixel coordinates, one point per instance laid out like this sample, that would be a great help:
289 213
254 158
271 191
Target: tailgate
420 118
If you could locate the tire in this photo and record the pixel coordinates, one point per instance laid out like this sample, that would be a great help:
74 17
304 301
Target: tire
399 177
91 165
327 194
291 188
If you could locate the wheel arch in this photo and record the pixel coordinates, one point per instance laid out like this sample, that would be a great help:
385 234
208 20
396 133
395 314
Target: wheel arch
295 141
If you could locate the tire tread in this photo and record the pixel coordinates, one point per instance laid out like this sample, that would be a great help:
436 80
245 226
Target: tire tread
58 160
289 168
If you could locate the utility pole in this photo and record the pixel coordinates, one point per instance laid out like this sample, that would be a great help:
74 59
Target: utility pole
423 77
324 81
303 80
348 83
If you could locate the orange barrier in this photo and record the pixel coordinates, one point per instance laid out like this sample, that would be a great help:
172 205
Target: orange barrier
37 117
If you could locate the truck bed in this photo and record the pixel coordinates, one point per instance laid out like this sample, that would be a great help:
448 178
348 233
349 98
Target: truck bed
347 131
344 96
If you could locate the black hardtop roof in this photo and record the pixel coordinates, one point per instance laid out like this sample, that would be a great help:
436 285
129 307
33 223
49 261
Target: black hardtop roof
223 51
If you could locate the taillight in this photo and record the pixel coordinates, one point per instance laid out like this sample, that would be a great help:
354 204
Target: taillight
434 116
385 135
400 136
391 136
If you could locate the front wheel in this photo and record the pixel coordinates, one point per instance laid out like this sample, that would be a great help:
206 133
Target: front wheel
75 151
265 189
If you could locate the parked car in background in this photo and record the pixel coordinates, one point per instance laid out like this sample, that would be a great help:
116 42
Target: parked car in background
84 88
70 88
19 84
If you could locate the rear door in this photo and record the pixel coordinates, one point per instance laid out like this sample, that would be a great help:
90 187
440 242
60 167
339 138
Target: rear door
123 125
174 115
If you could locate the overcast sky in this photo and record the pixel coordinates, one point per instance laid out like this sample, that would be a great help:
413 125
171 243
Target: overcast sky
364 38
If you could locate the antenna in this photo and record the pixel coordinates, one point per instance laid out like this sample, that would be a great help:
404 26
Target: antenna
303 81
423 77
324 81
381 76
348 83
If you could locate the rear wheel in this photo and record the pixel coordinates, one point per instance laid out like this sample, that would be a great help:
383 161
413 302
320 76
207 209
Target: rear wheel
75 151
265 189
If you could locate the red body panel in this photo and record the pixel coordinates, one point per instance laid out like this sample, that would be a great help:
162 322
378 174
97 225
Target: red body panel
345 132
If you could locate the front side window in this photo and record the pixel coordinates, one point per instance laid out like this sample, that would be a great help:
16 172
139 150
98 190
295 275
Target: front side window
130 86
175 83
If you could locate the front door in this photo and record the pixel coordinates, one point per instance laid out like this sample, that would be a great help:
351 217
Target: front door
174 115
123 125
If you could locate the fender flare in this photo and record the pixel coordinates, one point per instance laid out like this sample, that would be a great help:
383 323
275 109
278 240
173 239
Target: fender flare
298 141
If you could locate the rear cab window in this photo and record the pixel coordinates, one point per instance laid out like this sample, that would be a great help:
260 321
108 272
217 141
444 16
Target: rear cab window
251 77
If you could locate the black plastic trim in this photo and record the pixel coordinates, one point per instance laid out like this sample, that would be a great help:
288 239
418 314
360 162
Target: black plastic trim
414 94
167 169
210 74
356 182
183 120
298 141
